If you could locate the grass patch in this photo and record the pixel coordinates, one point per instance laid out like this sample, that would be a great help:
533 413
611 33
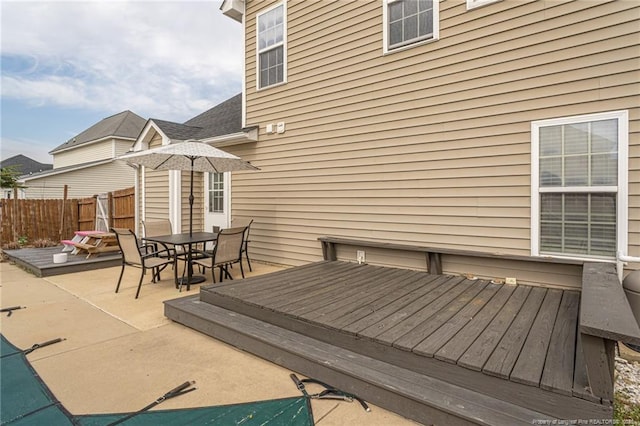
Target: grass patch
624 411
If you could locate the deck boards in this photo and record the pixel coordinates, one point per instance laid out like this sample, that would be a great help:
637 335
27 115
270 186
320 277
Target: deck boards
528 367
558 367
39 261
427 284
506 353
476 356
452 349
404 320
519 333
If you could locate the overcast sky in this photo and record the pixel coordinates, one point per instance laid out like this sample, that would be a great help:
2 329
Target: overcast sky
68 65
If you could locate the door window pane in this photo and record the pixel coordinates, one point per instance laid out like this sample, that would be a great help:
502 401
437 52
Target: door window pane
216 193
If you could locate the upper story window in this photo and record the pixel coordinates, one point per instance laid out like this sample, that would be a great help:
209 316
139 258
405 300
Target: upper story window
271 47
472 4
579 186
407 22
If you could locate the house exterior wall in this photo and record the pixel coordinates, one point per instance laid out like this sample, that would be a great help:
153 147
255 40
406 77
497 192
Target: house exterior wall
430 145
82 183
154 199
86 153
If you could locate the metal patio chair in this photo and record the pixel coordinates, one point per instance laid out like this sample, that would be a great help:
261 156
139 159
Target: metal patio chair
226 252
235 223
137 256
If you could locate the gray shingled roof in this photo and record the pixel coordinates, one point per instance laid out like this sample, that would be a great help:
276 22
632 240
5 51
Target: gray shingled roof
223 119
177 131
124 125
25 165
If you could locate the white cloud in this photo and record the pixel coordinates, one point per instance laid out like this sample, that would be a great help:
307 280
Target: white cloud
29 148
168 60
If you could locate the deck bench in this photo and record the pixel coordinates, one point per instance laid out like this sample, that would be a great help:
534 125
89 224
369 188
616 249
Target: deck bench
432 254
605 318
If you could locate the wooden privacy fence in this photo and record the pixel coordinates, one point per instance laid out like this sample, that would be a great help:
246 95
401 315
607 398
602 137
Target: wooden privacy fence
58 219
38 219
123 208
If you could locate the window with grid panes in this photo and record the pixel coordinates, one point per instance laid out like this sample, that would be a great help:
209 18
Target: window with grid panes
580 179
410 21
271 49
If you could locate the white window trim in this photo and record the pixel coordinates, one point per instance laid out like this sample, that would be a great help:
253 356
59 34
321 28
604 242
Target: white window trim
474 4
622 187
385 29
284 47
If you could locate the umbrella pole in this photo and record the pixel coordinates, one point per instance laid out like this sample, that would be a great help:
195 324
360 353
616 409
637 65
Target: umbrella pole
191 200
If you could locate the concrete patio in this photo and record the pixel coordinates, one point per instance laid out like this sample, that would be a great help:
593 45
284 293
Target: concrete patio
121 353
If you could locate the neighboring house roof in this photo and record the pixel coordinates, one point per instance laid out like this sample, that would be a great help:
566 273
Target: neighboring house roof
223 119
25 165
177 131
126 125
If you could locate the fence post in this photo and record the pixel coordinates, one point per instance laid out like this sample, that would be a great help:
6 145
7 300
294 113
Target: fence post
64 201
15 214
110 210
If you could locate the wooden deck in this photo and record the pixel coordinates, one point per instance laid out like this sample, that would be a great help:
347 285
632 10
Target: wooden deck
516 345
39 261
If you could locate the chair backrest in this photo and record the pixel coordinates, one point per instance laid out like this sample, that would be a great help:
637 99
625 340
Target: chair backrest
242 223
229 245
128 243
155 227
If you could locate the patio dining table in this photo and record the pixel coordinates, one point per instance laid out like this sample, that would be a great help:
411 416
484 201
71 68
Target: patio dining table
188 240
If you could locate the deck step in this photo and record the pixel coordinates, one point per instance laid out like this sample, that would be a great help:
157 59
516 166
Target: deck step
415 396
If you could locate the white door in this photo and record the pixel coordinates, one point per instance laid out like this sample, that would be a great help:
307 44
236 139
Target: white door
217 200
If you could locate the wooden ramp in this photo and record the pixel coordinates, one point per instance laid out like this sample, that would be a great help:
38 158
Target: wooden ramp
434 348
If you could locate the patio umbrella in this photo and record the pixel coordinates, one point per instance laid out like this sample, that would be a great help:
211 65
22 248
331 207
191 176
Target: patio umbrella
192 155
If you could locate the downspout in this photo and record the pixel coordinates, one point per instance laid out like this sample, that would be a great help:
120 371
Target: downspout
621 260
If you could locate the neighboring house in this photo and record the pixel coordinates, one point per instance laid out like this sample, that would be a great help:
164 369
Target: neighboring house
87 162
508 127
24 166
164 194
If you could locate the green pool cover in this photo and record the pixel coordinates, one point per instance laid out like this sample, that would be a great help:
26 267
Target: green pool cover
26 400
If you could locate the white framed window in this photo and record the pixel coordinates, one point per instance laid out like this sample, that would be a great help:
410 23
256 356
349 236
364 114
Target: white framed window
579 178
472 4
271 47
409 22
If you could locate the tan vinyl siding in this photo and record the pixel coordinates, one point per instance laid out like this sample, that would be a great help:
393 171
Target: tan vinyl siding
81 183
430 145
122 147
156 189
84 154
156 184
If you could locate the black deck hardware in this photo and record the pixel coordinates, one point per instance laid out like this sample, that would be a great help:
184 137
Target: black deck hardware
42 345
11 309
177 391
329 392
